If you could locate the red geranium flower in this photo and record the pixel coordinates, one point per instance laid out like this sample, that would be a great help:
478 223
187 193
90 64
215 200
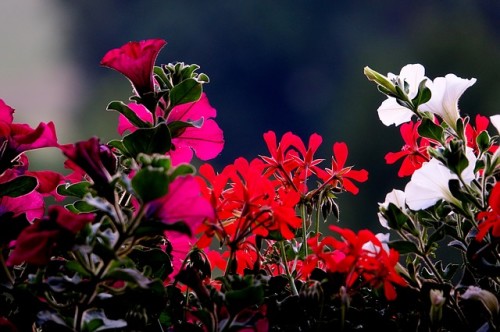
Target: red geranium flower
136 60
339 175
490 220
414 151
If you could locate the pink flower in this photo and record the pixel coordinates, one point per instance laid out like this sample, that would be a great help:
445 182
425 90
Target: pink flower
32 204
206 141
182 203
135 60
21 137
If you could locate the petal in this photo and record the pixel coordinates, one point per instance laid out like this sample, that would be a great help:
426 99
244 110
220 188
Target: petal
390 112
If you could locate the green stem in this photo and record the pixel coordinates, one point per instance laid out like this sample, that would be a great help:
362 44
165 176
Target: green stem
291 279
304 228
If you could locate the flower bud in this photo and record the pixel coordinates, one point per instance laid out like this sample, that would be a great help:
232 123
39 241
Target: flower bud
437 303
381 80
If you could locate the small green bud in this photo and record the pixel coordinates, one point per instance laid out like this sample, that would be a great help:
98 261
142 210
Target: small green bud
381 80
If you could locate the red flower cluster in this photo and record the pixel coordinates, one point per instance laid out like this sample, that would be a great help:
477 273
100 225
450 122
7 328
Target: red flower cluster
361 257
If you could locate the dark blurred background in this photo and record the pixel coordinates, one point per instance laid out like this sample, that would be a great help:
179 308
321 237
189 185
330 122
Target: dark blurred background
274 65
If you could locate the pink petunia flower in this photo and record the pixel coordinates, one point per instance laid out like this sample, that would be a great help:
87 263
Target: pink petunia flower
206 141
135 60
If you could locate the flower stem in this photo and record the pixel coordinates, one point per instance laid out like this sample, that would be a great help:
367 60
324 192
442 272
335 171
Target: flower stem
291 279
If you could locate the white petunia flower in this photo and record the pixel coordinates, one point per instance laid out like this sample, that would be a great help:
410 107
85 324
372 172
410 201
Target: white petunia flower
429 184
390 112
495 121
445 94
396 197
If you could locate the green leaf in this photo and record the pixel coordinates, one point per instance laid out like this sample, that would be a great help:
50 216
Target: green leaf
79 189
396 219
483 141
186 91
127 112
118 144
150 183
95 320
404 247
238 300
18 186
131 276
148 140
423 95
430 130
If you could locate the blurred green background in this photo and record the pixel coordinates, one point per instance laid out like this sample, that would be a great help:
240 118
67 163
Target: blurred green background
274 65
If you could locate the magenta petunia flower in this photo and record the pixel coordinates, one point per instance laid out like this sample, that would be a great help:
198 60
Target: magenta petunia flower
206 141
136 60
182 203
21 137
31 204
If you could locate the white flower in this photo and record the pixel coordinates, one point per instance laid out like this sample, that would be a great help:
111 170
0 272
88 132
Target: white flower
445 94
495 121
390 112
429 184
396 197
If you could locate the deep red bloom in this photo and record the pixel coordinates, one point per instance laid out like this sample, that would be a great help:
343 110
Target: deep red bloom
247 203
37 242
490 220
414 151
291 162
206 140
472 133
366 258
136 60
339 175
96 160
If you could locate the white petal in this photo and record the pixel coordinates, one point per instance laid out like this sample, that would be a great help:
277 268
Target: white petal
495 121
390 112
428 185
413 74
445 94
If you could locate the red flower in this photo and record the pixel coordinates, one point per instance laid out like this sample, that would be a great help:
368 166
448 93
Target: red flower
414 152
472 133
96 160
290 162
136 60
339 175
37 242
490 220
366 258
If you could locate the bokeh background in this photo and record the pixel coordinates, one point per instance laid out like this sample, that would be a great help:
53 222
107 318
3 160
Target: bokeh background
274 65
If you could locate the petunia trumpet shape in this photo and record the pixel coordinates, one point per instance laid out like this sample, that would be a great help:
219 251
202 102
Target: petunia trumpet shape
136 60
390 112
445 94
429 184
